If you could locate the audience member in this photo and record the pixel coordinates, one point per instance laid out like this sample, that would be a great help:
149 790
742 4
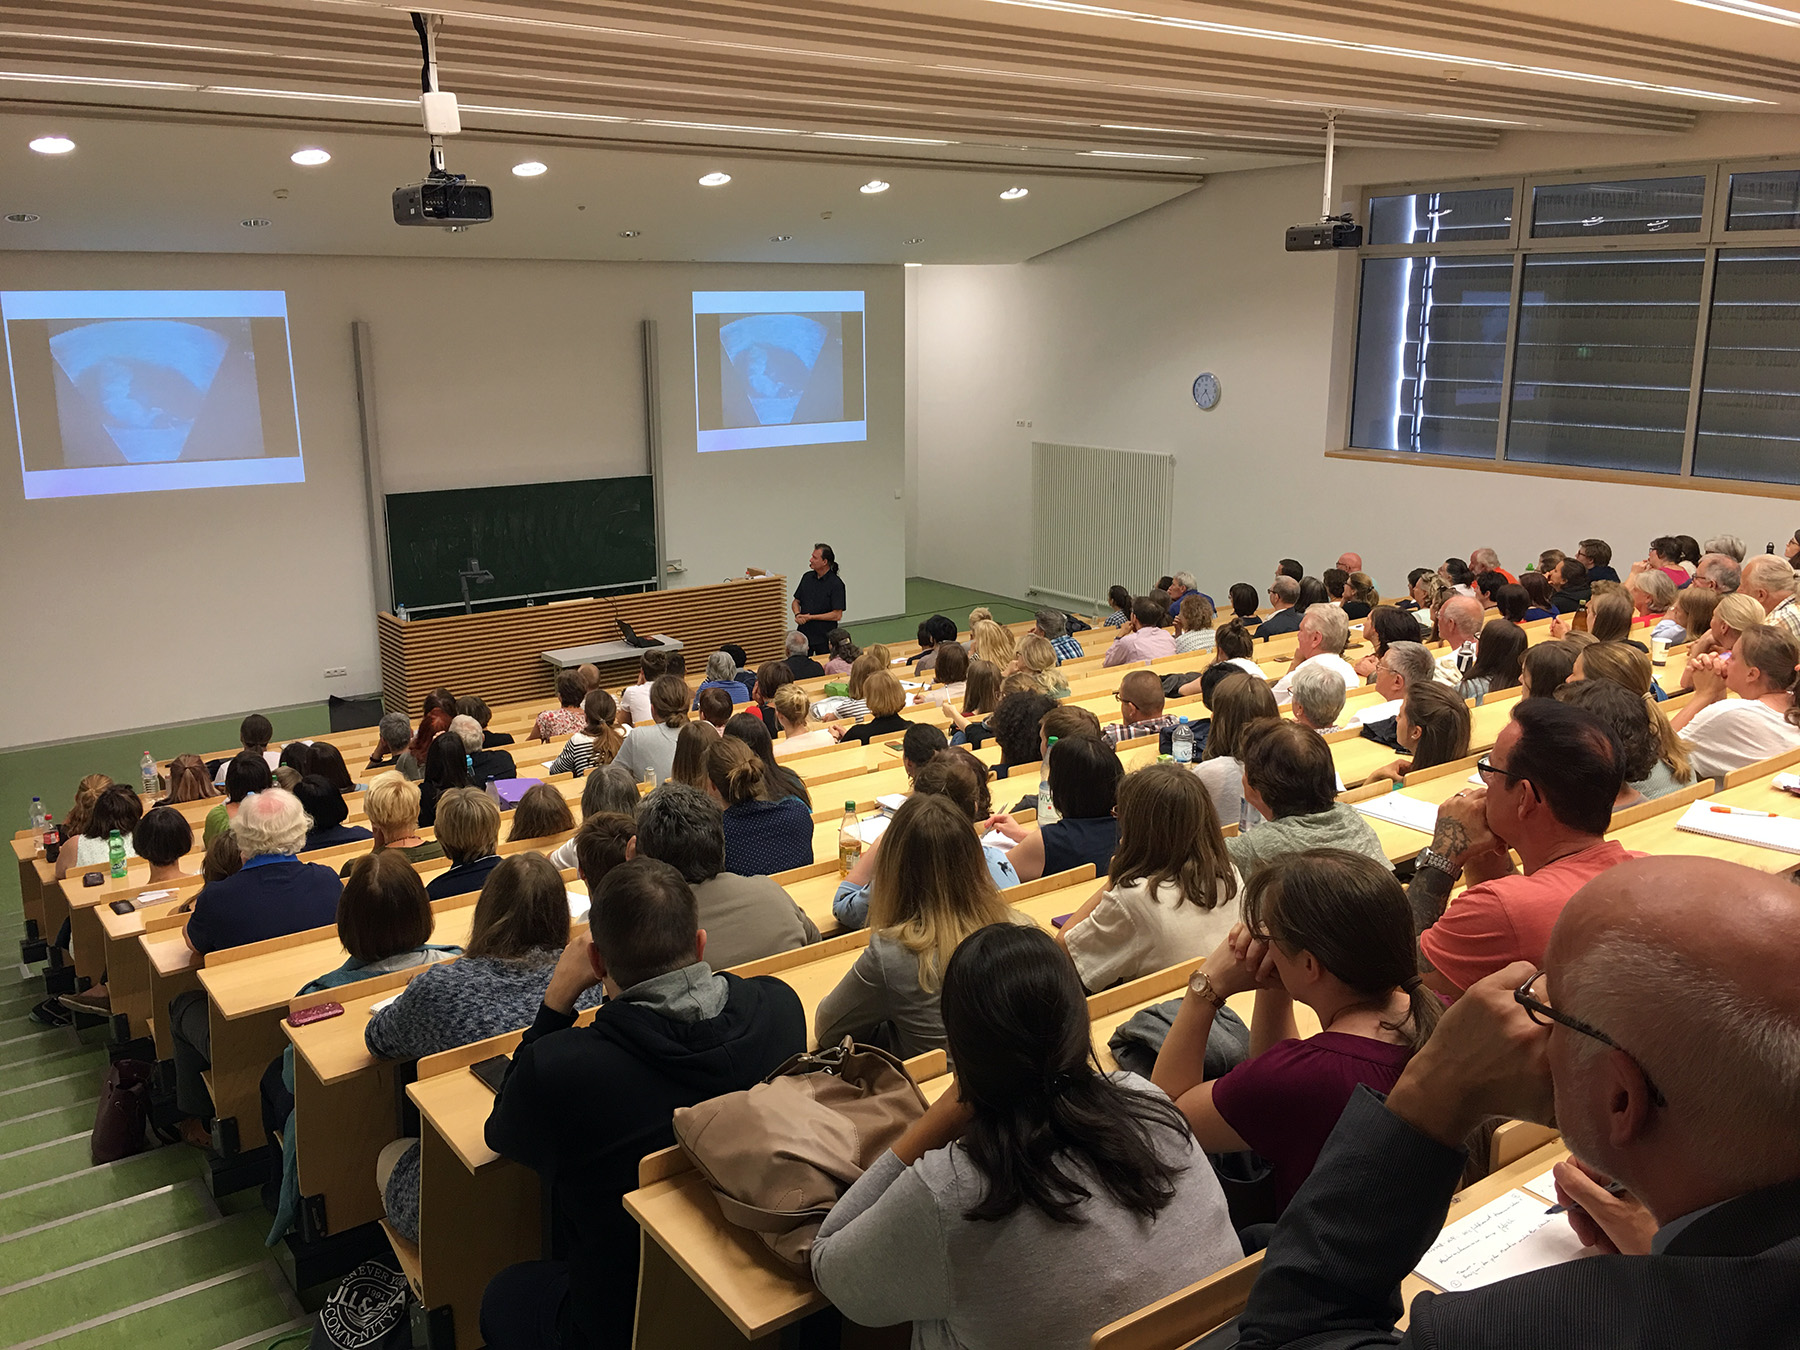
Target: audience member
1459 623
1359 595
1014 727
1432 728
326 811
1664 556
885 699
609 790
798 732
1459 577
1234 647
649 751
1237 703
1171 892
1551 780
1624 716
1610 618
446 768
919 747
1316 697
783 781
691 745
714 706
672 1033
188 781
1652 595
1140 696
115 807
1718 572
1546 668
721 674
598 741
486 766
988 641
1692 612
1084 774
1312 592
798 658
1194 624
1539 604
254 734
1511 601
1053 627
1731 616
393 735
392 805
766 831
567 717
1499 656
1769 581
1291 568
1572 586
1402 666
635 699
1289 779
1032 1161
1120 600
850 704
1484 560
1720 733
840 651
468 830
247 773
1726 545
1283 617
1243 604
434 722
472 705
1320 642
1629 668
542 813
1595 557
1328 928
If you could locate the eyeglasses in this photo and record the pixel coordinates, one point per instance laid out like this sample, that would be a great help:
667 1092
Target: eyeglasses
1484 768
1543 1014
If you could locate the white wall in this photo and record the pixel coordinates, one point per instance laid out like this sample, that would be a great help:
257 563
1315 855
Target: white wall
133 611
1098 342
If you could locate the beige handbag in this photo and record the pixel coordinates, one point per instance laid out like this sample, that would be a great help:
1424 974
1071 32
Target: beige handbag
779 1155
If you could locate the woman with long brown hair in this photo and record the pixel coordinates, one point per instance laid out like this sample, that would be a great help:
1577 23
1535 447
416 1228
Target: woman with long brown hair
1624 665
188 781
766 830
1237 703
599 739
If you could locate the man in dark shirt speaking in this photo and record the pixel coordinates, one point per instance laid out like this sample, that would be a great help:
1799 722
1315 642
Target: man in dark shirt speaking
819 598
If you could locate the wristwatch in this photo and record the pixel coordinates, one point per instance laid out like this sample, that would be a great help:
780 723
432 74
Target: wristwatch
1198 984
1429 857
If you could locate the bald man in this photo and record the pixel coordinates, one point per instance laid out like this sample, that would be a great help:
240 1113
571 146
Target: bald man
1459 624
1141 712
1349 562
1663 1038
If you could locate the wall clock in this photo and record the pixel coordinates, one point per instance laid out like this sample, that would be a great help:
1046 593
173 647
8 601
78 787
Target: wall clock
1206 391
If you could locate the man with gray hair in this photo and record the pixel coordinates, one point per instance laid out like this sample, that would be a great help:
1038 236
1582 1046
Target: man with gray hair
1317 696
1717 571
1769 581
484 765
1486 560
1182 583
1323 632
745 918
1663 1039
1054 625
1397 670
393 736
1459 624
799 663
1728 544
272 895
1284 594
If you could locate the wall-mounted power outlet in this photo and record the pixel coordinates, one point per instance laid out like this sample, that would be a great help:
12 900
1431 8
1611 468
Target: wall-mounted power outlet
337 672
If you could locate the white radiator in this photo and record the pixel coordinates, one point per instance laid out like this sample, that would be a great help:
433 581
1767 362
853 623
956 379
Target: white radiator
1099 518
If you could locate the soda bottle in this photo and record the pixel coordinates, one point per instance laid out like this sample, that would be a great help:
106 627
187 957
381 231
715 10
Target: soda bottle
147 770
850 844
115 852
1181 742
1047 813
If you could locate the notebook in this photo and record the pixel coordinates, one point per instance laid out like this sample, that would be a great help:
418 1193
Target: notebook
1398 809
1778 832
1507 1237
891 802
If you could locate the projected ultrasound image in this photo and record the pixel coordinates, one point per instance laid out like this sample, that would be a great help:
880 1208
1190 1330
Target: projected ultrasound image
147 391
778 368
770 362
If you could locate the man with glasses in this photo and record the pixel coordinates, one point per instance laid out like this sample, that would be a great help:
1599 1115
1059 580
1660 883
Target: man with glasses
1550 782
1717 572
1663 1038
1284 594
1595 555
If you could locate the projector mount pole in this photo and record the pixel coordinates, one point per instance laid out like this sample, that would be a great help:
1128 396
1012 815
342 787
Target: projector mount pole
427 26
1330 153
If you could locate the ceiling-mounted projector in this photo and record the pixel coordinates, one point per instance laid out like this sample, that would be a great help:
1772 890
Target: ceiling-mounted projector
444 199
1338 232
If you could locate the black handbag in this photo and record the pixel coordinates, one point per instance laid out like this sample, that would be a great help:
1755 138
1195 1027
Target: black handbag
123 1113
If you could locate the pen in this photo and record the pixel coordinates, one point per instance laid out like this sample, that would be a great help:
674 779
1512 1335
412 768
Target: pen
1612 1188
1742 811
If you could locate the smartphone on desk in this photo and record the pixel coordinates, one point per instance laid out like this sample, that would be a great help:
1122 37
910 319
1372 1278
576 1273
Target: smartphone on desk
491 1071
321 1012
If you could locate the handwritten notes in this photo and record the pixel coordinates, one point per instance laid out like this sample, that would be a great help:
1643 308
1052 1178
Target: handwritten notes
1511 1236
1543 1184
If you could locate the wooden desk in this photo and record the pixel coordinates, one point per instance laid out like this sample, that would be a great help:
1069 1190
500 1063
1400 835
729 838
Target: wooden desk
1659 835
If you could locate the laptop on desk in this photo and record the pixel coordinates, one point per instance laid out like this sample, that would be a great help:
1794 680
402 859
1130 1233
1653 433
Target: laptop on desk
629 637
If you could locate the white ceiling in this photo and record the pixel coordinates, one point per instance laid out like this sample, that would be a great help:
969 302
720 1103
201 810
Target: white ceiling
185 112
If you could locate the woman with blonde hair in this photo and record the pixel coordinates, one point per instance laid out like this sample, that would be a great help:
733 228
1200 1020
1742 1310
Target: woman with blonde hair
766 830
1722 734
691 745
81 810
1730 617
188 781
988 641
1035 658
392 804
541 813
1171 893
793 709
980 614
1626 666
931 889
1359 595
1609 617
1194 624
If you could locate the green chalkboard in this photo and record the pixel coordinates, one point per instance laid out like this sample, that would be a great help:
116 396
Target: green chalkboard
536 538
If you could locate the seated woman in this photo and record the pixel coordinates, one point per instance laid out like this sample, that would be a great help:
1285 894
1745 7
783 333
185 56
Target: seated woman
1035 658
1359 596
721 673
484 765
1194 624
953 773
1289 778
519 929
327 761
1238 702
472 705
188 781
1171 894
248 772
391 739
563 720
446 768
783 781
980 696
990 642
384 920
541 813
607 790
163 838
691 745
326 808
1499 651
885 700
850 703
1032 1161
599 739
290 764
1383 626
1084 774
1433 729
950 674
1693 610
840 652
1329 929
116 807
798 731
1721 734
1120 615
1626 666
649 751
434 722
392 804
1546 667
1731 616
1652 597
1624 717
766 831
930 890
468 830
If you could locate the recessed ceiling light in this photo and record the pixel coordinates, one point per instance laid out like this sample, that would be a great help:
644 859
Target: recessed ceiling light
1747 9
628 234
256 223
780 238
1129 154
53 145
1012 194
912 264
21 218
531 168
873 186
714 179
309 158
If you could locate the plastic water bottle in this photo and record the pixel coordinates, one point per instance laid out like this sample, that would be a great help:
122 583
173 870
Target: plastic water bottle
115 853
649 780
850 844
1047 814
1181 742
400 614
147 770
37 815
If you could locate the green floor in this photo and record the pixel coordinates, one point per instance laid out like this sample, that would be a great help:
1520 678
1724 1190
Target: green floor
925 598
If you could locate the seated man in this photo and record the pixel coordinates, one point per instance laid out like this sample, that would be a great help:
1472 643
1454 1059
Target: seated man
471 705
1316 695
635 698
714 705
746 918
484 765
1401 666
1459 624
582 1105
1144 638
800 665
1323 633
1054 625
392 738
1484 560
1552 777
1770 582
1694 1120
271 895
919 746
254 734
1140 710
1349 562
1284 594
1289 778
1718 572
1595 557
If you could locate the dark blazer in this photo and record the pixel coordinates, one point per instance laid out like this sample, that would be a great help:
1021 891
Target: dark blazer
1376 1202
804 667
1283 621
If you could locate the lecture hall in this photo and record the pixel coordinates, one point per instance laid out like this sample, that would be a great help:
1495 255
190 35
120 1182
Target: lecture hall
815 623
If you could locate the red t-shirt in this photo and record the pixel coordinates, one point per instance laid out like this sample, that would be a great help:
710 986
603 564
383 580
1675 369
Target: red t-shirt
1286 1101
1509 919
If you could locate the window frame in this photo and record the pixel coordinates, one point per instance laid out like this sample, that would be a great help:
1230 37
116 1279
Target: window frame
1710 238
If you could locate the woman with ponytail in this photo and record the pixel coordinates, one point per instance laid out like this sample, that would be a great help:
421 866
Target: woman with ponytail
1034 1162
1622 664
1330 929
1722 734
766 830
